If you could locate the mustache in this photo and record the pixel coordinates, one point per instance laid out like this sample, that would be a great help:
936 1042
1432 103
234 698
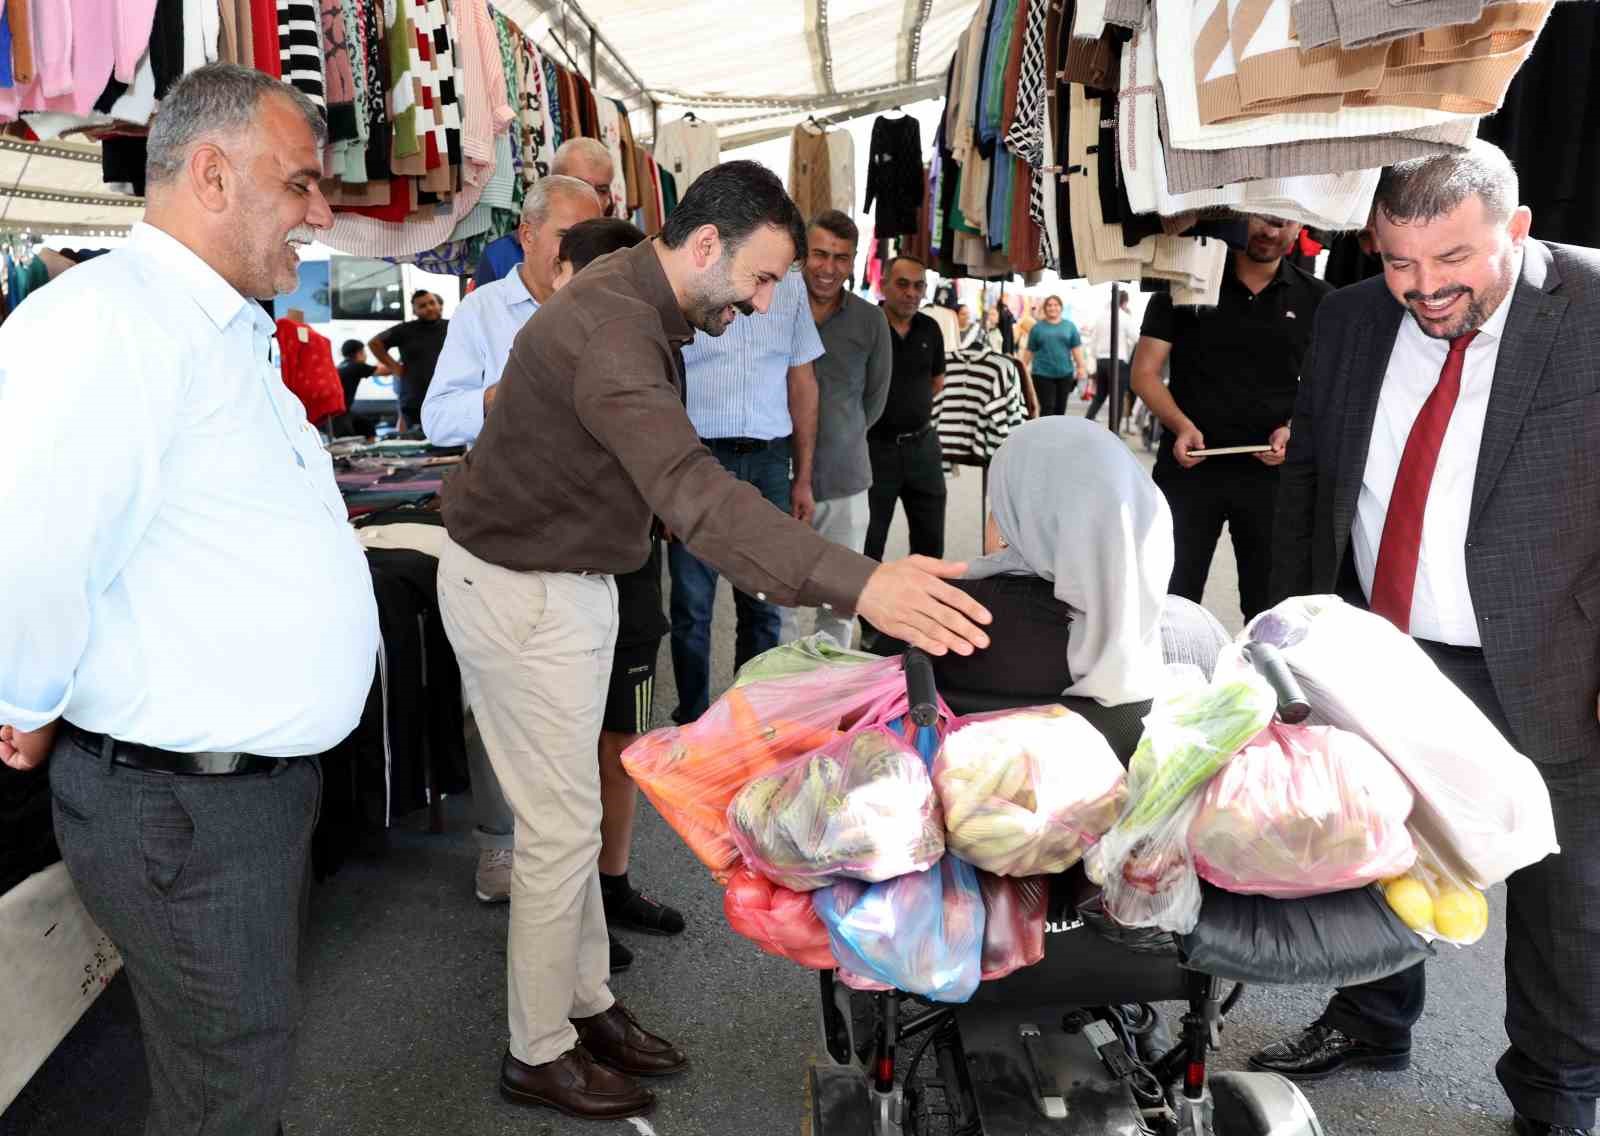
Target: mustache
302 234
1443 294
746 307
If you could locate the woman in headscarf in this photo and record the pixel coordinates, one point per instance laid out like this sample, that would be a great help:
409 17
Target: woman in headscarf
1078 551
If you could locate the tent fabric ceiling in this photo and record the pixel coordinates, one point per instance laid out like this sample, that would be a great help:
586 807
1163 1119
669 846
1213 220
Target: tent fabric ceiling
56 187
766 62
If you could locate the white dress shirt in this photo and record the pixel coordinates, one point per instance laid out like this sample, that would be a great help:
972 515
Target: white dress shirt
181 571
1441 605
476 348
738 382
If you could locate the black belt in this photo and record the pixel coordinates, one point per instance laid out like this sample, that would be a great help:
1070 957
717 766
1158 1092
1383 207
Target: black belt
741 445
902 439
153 760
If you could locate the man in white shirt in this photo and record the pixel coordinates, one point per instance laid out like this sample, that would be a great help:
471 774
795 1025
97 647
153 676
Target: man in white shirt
193 619
1100 340
488 319
1441 471
752 396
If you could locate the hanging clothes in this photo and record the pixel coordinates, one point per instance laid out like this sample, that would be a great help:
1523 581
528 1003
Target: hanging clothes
686 149
308 371
894 175
810 170
842 171
980 404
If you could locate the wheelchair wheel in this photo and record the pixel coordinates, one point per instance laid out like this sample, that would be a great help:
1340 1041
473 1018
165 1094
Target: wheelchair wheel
1260 1104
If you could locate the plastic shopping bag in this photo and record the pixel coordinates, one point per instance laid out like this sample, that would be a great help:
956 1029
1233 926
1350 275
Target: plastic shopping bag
1026 792
1437 903
1300 811
779 921
921 933
861 807
814 652
691 773
1481 806
1193 729
1013 922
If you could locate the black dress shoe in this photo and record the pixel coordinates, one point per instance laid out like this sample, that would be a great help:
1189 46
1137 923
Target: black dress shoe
575 1084
621 956
617 1039
1322 1051
1525 1127
635 911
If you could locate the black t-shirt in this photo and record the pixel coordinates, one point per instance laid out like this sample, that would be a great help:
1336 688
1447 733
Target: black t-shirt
350 375
1236 367
640 619
918 357
419 343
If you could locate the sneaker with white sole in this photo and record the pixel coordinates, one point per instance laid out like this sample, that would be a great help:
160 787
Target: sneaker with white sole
493 879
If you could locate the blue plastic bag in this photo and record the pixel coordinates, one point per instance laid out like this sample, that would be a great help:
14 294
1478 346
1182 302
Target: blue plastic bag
921 933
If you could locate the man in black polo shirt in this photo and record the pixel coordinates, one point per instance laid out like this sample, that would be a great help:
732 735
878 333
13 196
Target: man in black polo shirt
904 447
1235 369
419 342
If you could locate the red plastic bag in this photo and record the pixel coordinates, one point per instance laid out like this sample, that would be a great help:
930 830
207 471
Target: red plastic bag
691 773
779 921
1013 922
1303 810
860 807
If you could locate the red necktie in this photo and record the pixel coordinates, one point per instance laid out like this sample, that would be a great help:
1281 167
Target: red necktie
1395 578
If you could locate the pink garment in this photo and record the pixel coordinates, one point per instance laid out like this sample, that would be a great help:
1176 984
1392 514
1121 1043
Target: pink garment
52 47
134 19
75 45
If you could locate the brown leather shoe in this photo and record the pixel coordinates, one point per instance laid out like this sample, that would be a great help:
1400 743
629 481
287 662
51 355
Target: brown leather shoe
617 1039
575 1084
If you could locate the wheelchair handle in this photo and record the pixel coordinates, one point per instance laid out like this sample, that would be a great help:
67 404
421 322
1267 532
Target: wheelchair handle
1293 706
921 692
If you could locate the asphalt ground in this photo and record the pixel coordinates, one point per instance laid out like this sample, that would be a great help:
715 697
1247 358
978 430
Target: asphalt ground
404 1004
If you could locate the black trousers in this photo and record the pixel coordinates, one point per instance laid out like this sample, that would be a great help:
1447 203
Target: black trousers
1551 1070
911 473
1102 388
1237 490
1054 393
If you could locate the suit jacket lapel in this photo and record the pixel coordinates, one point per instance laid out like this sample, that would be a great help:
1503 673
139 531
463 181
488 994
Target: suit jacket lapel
1368 361
1530 333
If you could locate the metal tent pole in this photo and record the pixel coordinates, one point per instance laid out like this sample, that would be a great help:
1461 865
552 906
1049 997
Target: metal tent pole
1114 419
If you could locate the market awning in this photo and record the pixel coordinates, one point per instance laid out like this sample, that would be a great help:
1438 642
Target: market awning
753 68
56 187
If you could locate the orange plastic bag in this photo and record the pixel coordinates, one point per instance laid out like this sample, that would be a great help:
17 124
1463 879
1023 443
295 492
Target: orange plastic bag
691 773
779 921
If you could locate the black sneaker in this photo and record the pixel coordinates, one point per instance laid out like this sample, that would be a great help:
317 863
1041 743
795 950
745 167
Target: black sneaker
1322 1051
635 911
621 956
1525 1127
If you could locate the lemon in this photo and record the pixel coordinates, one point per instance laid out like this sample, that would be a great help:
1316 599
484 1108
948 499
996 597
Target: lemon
1461 915
1411 901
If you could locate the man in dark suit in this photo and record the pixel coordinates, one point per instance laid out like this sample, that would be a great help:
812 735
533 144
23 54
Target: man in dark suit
1473 402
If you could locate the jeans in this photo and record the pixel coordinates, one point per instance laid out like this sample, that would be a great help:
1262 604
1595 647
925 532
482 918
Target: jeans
1102 389
694 588
911 472
842 520
202 883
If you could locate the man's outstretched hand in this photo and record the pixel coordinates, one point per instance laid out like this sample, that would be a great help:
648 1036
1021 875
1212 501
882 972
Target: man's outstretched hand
910 600
22 749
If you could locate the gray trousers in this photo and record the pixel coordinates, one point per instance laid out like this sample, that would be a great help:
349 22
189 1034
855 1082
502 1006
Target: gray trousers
202 884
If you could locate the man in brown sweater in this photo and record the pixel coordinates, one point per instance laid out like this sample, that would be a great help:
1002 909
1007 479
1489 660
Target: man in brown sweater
589 441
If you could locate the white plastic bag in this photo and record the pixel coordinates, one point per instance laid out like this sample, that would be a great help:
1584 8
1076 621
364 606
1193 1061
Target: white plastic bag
1481 806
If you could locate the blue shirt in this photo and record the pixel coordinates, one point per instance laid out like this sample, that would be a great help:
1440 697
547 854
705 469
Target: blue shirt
500 256
738 382
476 348
1051 346
190 579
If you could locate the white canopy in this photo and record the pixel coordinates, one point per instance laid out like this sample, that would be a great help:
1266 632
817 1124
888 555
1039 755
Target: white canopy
56 187
754 68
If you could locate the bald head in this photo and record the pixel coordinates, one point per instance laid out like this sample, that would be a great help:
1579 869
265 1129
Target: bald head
587 159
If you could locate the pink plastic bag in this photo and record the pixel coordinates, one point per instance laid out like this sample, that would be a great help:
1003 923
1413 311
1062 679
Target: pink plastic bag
1303 810
860 807
691 773
1026 792
1013 922
779 921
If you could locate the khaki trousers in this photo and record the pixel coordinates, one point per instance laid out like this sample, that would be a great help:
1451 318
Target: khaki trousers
535 653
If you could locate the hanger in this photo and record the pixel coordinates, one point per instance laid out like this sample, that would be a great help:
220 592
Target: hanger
689 116
811 120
